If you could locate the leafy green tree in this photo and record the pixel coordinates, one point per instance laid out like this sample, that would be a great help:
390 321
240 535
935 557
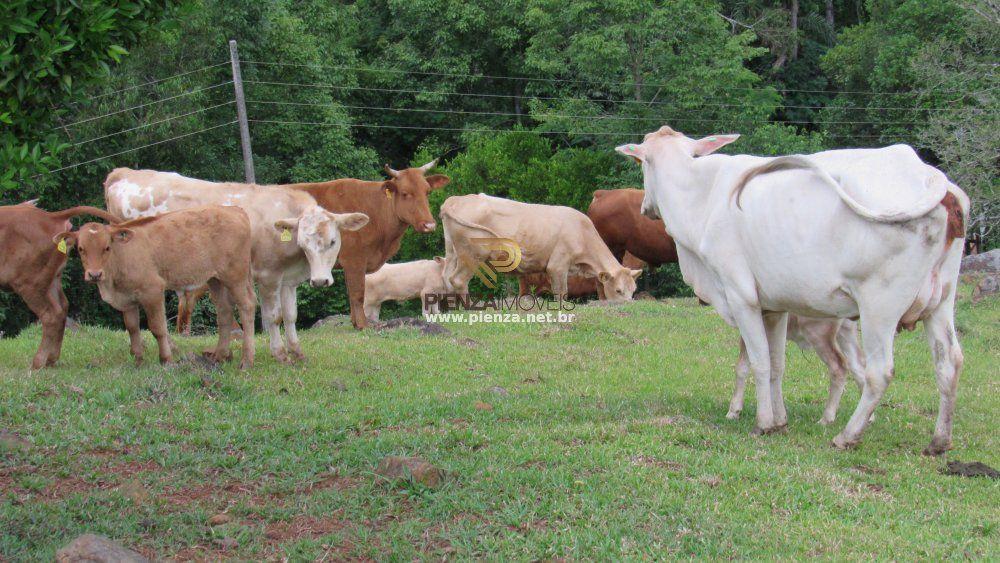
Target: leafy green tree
966 141
50 54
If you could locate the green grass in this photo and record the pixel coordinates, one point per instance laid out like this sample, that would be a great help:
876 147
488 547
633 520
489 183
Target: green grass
611 444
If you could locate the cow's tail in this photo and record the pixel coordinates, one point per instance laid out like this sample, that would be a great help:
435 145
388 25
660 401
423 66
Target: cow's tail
86 210
795 162
469 224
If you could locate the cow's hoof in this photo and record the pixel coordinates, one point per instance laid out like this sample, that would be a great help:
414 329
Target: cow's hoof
733 415
824 421
842 443
297 356
777 429
246 366
937 447
138 362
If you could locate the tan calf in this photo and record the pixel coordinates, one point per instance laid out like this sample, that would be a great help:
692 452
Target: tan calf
404 281
555 240
133 263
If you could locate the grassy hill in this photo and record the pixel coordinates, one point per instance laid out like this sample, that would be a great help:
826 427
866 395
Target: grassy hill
603 439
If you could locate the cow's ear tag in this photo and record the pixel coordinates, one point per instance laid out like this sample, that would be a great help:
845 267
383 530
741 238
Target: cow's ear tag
61 245
388 194
286 235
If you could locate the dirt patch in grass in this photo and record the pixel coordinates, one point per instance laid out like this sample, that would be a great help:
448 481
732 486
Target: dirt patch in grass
303 527
325 481
647 461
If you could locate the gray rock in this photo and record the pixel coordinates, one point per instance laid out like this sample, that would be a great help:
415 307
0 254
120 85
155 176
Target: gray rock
989 285
414 322
984 263
90 548
414 469
333 320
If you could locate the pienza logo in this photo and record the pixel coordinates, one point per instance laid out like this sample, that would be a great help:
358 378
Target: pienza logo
504 256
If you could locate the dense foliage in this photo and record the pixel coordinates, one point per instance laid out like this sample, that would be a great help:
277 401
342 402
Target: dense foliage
521 98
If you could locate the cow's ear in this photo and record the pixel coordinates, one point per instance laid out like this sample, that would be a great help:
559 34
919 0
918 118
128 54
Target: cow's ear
635 273
438 181
708 145
389 187
122 235
604 277
633 151
350 221
69 237
439 259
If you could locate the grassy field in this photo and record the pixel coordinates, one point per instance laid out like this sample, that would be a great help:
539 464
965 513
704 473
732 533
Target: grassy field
606 440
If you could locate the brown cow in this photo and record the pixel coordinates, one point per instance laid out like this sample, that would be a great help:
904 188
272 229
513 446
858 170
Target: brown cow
134 262
623 228
391 206
32 267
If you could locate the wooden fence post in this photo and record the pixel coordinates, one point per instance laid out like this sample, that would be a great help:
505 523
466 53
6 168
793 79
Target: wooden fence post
241 114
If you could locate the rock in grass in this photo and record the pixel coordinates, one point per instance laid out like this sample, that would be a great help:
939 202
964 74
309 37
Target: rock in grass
91 548
413 469
986 262
10 441
220 519
414 322
989 285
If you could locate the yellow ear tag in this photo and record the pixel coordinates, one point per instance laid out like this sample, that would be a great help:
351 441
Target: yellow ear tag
61 245
286 235
388 194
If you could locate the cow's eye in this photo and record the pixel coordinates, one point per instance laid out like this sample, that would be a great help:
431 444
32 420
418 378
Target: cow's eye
107 249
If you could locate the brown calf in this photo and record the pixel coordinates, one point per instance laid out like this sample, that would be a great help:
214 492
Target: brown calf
134 262
32 267
391 206
623 228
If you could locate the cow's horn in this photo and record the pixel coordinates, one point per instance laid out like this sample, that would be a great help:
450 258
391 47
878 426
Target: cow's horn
429 165
391 172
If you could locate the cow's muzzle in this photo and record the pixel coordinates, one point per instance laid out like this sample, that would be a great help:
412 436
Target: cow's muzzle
427 227
94 276
321 282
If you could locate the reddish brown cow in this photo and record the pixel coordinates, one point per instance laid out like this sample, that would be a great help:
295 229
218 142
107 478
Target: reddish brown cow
32 267
623 228
391 206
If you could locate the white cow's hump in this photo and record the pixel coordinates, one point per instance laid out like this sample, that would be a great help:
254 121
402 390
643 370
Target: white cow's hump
134 201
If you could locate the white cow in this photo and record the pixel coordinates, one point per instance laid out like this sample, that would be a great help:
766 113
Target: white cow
404 281
294 239
866 233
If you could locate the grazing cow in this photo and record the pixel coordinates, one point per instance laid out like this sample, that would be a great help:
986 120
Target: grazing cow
579 286
400 282
294 239
392 206
134 262
616 215
555 240
867 233
32 267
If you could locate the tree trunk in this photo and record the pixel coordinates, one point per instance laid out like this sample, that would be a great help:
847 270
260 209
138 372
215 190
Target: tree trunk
829 14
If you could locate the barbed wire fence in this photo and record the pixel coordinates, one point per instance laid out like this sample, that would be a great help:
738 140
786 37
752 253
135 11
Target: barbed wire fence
685 117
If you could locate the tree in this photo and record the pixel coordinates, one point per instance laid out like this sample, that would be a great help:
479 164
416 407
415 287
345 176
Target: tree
966 141
50 54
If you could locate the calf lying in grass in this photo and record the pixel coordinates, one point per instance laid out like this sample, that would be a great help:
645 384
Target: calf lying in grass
133 263
404 281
